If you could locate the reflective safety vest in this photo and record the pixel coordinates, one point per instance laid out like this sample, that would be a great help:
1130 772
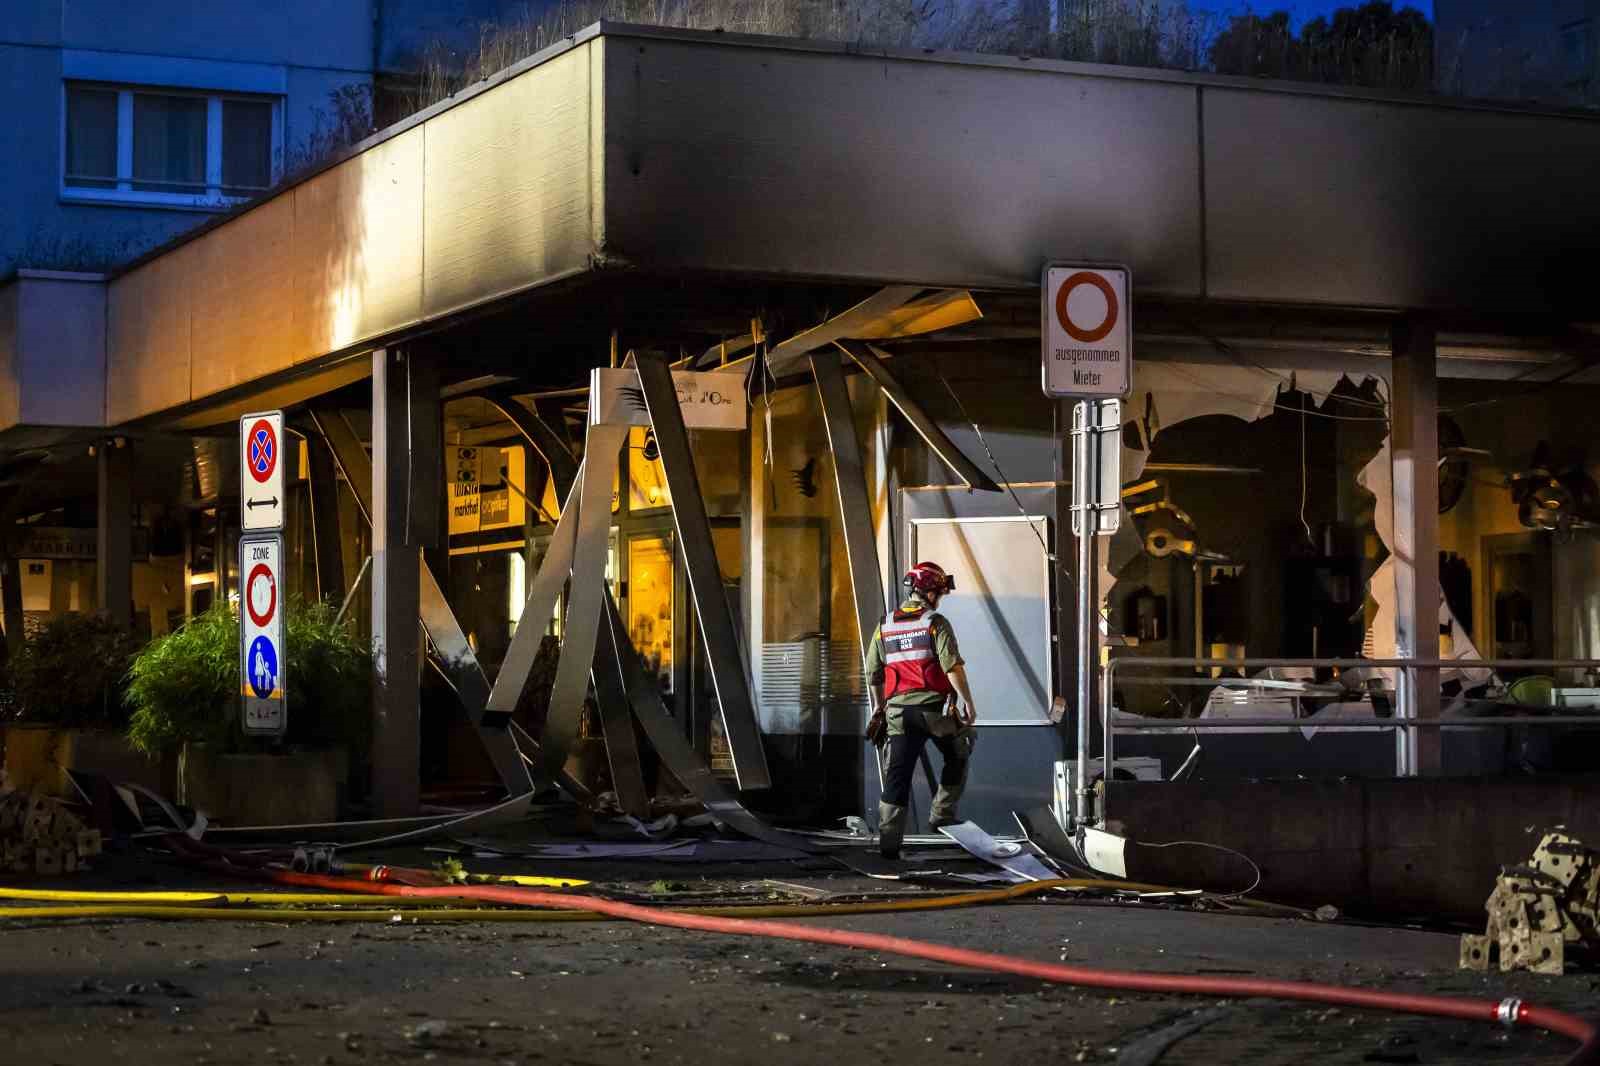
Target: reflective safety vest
909 660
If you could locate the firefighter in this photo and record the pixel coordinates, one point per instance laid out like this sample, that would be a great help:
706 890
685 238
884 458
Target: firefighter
917 674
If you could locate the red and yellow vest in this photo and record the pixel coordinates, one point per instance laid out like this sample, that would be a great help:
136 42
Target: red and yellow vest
910 663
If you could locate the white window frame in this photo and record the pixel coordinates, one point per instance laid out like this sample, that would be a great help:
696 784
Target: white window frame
213 199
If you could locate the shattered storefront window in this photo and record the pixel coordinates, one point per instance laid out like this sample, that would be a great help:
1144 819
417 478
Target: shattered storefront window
1249 532
808 662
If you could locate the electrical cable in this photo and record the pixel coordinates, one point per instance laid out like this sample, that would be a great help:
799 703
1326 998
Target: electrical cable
996 464
1215 847
1509 1012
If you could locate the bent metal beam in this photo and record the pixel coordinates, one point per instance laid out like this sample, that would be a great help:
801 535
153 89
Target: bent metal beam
724 651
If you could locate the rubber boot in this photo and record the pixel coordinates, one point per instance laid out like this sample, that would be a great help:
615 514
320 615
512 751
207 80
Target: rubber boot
943 811
891 829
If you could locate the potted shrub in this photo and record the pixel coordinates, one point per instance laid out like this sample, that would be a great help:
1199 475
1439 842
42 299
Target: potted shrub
67 708
184 693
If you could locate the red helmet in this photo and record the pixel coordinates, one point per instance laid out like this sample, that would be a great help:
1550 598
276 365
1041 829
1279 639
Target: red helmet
928 577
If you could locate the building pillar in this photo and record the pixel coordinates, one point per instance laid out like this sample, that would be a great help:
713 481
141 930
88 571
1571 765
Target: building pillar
1414 450
407 477
11 602
114 545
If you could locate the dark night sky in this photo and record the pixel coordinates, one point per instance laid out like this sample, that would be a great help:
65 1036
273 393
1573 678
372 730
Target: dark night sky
1299 10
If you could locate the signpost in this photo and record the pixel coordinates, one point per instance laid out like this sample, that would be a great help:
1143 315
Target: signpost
261 648
261 471
263 685
1087 332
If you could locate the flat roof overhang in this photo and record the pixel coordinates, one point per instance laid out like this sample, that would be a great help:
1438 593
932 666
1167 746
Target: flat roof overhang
674 153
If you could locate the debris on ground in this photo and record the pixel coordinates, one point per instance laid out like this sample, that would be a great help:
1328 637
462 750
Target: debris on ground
1542 915
39 835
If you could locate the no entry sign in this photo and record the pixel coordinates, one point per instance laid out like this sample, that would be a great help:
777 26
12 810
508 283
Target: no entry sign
261 471
1087 330
262 688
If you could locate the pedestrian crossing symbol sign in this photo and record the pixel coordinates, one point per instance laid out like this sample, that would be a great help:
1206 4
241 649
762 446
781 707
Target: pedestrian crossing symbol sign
262 688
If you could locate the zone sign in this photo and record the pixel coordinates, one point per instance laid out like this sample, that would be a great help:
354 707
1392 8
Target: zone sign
263 688
261 471
1087 330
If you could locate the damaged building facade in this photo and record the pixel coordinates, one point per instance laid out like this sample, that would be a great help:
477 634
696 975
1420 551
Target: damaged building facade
1359 424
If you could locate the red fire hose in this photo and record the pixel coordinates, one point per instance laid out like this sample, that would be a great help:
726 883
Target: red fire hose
1508 1012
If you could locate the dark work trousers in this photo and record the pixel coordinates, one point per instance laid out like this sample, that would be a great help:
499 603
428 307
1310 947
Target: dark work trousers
906 749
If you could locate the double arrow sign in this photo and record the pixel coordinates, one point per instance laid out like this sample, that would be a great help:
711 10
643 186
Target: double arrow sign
261 446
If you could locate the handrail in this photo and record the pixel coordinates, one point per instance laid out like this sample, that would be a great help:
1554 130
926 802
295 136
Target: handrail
1401 721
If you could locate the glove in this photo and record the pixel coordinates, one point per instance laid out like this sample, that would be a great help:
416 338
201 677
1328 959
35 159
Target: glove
878 728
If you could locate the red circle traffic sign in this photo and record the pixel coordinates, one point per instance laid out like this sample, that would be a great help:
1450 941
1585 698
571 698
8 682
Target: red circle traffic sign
1086 336
260 572
261 450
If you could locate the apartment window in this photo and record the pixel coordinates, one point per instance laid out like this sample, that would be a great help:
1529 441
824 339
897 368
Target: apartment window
170 147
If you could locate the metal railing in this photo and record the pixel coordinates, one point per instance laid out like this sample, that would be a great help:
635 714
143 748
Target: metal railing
1403 723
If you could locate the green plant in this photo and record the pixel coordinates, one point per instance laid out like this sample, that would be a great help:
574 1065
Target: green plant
70 674
185 687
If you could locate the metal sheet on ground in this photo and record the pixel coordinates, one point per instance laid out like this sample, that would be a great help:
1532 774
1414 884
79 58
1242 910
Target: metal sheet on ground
981 845
911 866
1042 830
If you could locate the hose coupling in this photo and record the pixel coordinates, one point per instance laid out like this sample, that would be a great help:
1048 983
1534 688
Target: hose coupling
1509 1012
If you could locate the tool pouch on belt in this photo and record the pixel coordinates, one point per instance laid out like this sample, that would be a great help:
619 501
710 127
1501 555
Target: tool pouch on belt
878 728
965 741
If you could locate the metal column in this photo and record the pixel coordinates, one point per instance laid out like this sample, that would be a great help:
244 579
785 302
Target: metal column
592 538
438 621
114 526
1414 451
11 602
855 508
728 666
405 421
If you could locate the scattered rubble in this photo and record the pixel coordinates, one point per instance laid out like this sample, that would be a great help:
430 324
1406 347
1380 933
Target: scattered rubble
1542 915
38 835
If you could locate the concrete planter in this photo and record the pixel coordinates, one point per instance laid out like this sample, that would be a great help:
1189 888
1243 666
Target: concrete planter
39 756
262 789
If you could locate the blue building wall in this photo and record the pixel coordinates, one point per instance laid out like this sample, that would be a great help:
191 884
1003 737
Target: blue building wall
313 48
1535 50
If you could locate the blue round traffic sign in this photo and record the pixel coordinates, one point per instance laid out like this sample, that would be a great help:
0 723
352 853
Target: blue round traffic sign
261 666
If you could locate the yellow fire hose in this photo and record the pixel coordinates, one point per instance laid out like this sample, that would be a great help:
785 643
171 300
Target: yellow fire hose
276 906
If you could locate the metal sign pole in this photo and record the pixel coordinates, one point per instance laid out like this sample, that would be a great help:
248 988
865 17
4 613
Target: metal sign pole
1086 330
1085 446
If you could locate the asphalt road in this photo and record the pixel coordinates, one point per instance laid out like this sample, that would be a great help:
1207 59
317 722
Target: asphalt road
89 993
